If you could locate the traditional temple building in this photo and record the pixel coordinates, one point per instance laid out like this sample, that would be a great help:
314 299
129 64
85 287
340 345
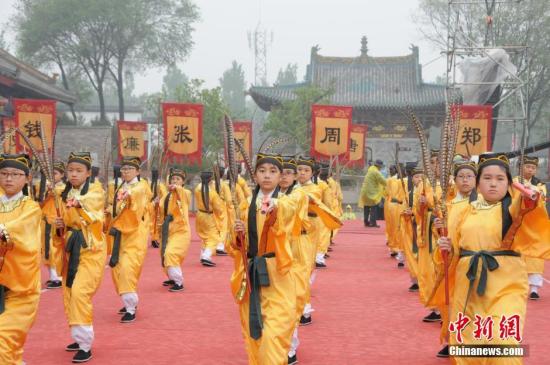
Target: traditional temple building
378 88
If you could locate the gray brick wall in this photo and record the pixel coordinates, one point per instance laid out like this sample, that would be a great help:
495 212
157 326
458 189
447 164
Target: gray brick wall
90 139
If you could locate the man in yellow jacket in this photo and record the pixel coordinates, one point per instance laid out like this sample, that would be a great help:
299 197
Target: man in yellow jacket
372 192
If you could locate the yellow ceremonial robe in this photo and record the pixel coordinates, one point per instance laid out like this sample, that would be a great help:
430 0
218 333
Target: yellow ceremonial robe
327 198
55 245
278 300
480 228
130 220
407 233
174 247
209 222
20 274
154 213
89 220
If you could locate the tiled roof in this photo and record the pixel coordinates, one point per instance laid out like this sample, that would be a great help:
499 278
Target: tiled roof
363 82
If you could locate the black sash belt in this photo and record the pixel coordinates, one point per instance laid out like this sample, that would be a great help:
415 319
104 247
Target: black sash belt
393 200
47 241
205 211
303 232
259 276
430 226
3 291
414 237
116 246
312 215
165 226
74 244
488 262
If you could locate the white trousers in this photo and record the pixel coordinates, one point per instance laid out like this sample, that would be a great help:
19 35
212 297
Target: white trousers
174 273
53 274
206 254
308 309
84 336
294 343
320 258
130 301
400 257
220 247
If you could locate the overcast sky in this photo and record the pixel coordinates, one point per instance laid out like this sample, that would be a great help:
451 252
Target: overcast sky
297 25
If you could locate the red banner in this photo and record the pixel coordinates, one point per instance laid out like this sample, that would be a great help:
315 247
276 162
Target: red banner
243 132
475 130
183 130
132 139
330 131
357 145
31 116
9 143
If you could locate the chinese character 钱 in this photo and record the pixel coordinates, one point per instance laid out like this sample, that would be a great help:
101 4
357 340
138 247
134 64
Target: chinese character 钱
32 129
332 135
182 134
353 145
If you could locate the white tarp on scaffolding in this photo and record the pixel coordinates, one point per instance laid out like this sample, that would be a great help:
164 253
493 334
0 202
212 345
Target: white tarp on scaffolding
490 70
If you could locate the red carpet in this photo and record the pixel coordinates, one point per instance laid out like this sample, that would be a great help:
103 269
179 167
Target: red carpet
364 315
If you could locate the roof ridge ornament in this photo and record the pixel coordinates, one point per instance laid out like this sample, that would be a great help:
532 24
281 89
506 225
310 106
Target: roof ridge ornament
364 46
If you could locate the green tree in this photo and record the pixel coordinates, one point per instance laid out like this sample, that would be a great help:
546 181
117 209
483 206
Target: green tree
293 118
173 79
3 42
288 75
233 87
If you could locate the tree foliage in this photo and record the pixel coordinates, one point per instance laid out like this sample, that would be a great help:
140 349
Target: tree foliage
233 86
288 75
293 118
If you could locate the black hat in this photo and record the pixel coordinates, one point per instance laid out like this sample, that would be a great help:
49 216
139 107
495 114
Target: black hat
434 153
59 166
131 161
276 160
410 166
289 162
530 160
379 163
494 158
206 175
81 157
470 165
19 161
306 161
177 172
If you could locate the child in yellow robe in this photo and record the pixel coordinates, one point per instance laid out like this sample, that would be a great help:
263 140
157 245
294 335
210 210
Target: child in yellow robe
265 222
20 233
130 231
176 232
535 266
85 250
211 216
490 278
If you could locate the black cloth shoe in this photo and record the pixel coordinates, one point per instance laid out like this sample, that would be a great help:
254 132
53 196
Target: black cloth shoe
534 296
413 288
327 256
72 347
444 352
329 249
122 310
176 287
320 265
393 254
82 356
168 283
55 284
207 263
304 321
432 317
292 360
155 244
400 265
128 317
221 253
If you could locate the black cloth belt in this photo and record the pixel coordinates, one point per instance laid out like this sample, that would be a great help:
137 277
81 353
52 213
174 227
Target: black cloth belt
393 200
74 244
303 232
117 236
312 215
47 241
415 237
205 211
488 262
3 291
164 242
259 276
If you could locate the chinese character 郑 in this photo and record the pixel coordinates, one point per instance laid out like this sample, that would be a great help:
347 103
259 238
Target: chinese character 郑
332 135
471 135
